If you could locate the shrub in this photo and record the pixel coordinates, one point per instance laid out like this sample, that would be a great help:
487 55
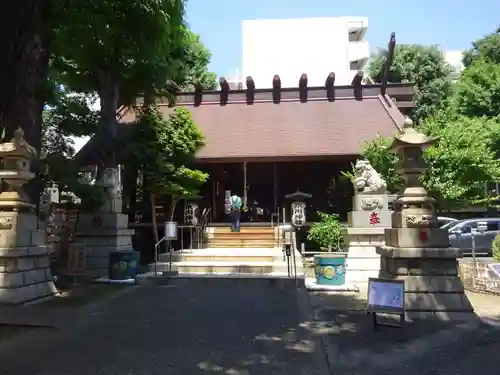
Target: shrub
496 248
327 233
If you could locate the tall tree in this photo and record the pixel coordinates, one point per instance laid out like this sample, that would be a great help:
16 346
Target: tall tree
477 92
24 40
487 47
107 46
424 66
163 149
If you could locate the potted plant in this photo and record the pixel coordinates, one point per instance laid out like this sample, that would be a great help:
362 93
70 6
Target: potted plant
328 234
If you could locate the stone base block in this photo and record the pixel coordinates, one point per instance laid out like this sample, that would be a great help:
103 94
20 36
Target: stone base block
103 220
417 237
438 301
102 233
368 202
27 293
25 274
432 286
445 316
361 219
362 263
364 236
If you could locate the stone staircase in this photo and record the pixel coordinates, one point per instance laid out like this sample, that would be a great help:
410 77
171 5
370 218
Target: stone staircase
253 251
248 237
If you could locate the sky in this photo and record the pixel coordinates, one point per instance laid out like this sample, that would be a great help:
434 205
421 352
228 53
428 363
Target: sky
452 24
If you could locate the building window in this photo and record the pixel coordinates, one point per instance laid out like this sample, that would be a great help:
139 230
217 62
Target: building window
354 36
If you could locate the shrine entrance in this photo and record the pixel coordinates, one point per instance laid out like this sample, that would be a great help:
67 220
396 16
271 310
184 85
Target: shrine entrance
263 186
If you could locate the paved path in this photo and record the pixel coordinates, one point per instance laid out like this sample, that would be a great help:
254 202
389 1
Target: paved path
192 329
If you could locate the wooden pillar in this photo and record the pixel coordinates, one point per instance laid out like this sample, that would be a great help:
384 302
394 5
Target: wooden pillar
275 187
245 197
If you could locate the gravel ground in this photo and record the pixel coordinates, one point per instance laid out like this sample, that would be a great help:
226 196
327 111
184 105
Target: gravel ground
178 330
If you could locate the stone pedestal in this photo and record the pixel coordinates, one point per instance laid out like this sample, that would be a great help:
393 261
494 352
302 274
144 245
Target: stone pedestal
433 288
106 230
365 233
24 259
103 233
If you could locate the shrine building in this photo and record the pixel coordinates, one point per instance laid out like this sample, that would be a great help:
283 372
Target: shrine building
263 144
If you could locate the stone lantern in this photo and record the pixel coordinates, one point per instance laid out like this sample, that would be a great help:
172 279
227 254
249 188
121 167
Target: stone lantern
16 157
415 249
24 254
414 210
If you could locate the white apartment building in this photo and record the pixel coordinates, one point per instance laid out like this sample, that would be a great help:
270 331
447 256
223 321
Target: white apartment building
315 46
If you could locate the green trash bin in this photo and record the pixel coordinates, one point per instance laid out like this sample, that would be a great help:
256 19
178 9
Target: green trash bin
330 268
123 265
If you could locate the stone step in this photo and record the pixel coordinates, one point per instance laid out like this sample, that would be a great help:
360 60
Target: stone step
226 267
274 280
242 230
240 235
243 243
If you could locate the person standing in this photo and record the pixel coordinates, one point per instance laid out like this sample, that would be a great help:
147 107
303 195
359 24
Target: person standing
235 204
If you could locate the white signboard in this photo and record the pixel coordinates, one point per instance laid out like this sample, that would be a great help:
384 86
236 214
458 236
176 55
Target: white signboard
386 295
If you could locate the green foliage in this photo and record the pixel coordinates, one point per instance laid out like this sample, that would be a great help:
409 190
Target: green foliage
477 92
164 149
459 164
496 248
129 39
424 66
487 47
64 173
464 159
193 71
383 161
349 175
327 233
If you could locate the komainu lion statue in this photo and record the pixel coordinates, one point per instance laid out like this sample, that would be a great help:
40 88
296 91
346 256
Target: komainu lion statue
367 180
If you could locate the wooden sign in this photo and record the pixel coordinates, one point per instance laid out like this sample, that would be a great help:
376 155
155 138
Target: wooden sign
386 296
76 261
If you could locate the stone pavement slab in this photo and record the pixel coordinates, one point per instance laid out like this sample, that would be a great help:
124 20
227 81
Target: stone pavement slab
478 351
352 346
179 329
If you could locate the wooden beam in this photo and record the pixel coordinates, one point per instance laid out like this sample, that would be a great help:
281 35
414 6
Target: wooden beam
224 91
303 88
330 87
357 79
250 93
276 89
388 62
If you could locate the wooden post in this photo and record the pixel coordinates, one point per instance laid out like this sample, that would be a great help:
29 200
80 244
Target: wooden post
245 184
275 187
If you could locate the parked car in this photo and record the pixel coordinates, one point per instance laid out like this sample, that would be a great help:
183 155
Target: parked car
461 235
443 221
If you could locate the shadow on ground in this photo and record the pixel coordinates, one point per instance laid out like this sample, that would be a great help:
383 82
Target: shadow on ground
216 327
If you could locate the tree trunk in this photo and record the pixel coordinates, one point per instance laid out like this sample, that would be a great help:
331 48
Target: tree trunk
173 205
108 94
24 39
